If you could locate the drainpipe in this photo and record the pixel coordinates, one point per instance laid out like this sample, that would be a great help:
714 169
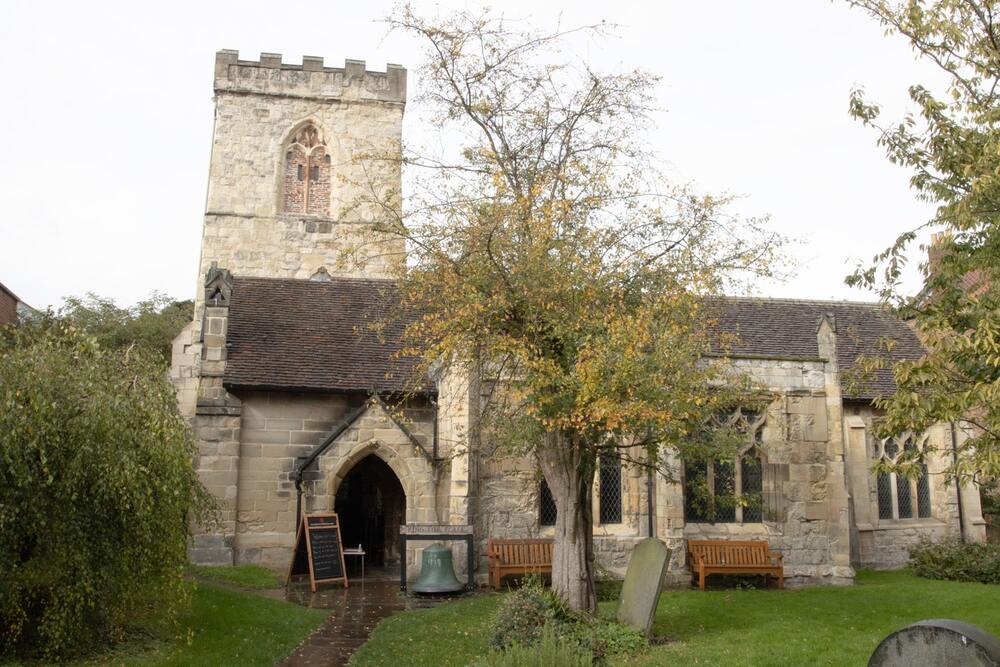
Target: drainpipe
434 443
649 500
958 486
298 498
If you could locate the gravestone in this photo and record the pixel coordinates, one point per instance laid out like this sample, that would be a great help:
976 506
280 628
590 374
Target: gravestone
938 643
643 584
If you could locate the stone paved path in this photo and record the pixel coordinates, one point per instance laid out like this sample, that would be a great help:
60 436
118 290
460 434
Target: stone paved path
354 614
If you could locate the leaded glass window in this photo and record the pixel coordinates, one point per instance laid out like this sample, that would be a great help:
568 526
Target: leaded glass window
546 505
610 471
728 491
896 494
752 486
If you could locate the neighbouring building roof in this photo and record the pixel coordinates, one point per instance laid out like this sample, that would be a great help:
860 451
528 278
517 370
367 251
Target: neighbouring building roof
316 336
786 328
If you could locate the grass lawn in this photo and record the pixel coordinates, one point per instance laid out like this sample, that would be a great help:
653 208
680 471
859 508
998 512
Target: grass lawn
247 576
222 627
814 626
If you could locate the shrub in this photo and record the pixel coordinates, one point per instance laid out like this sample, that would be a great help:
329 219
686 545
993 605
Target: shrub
604 639
524 613
97 491
531 611
608 590
957 561
549 651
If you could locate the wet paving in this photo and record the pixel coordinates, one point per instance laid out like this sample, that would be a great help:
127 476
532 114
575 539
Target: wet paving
355 611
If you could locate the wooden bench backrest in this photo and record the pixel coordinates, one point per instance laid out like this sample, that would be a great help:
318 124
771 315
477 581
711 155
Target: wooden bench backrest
718 552
523 551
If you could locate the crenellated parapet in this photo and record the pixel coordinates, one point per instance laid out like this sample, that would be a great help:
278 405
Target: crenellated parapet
310 79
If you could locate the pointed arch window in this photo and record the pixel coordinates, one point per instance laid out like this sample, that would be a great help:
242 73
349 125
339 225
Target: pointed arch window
306 183
729 491
898 496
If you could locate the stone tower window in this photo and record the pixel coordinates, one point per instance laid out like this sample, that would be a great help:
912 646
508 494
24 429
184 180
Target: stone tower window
306 185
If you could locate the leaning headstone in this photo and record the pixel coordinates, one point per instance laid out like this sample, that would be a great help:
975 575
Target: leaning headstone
938 643
643 584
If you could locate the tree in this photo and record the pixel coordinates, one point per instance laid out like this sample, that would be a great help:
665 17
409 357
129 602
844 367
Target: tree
152 323
97 490
548 258
952 146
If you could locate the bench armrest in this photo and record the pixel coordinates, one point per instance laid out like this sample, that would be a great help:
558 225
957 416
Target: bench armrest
776 556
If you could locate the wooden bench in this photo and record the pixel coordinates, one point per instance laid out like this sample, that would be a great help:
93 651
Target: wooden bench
707 557
518 557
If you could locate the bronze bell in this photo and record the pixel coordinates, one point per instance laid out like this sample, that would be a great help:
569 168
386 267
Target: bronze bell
437 572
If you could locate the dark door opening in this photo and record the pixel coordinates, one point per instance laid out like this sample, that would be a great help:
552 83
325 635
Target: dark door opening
371 505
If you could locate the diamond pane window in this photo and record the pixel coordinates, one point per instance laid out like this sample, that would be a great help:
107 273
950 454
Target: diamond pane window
752 483
546 505
725 492
904 498
728 491
884 483
610 488
924 494
697 498
895 493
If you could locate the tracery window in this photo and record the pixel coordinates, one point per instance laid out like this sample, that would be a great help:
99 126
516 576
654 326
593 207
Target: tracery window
900 497
307 173
729 491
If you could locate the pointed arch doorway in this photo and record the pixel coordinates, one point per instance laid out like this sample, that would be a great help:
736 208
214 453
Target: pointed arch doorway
371 504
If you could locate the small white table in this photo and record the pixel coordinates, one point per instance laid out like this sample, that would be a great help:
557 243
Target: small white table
358 551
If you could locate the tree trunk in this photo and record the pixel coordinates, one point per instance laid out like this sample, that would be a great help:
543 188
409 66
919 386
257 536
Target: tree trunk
569 471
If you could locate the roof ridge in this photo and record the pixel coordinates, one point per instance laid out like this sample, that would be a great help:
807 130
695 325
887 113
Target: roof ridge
793 300
333 279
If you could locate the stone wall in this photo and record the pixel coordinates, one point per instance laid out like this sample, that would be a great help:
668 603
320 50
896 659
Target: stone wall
508 490
279 428
805 515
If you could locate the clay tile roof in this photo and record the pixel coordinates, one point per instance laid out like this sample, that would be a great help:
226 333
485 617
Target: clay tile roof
316 336
787 328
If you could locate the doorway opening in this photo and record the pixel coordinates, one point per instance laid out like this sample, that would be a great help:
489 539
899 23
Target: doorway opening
371 505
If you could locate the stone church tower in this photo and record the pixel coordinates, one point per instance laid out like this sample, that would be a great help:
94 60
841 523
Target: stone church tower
294 148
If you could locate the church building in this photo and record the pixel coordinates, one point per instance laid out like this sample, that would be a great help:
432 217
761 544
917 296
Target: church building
298 405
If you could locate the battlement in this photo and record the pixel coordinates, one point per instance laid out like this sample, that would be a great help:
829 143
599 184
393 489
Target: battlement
311 79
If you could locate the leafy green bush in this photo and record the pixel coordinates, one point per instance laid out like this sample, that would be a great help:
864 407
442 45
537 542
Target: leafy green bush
604 639
549 651
97 491
531 611
957 561
524 613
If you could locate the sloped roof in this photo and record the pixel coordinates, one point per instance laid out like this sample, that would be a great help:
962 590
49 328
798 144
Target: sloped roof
787 328
316 336
324 336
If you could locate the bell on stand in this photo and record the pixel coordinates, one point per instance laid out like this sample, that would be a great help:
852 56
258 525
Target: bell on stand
437 572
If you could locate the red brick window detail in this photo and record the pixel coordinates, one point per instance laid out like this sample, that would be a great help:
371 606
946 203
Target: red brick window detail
307 174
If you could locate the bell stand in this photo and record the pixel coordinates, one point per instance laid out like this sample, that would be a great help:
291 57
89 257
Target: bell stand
433 533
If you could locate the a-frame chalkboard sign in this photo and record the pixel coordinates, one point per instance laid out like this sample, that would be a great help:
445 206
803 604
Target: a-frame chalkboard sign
318 550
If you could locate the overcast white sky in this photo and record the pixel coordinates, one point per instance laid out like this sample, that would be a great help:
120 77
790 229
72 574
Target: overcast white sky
106 120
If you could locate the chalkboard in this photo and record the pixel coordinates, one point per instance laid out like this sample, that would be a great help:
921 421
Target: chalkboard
326 556
318 550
